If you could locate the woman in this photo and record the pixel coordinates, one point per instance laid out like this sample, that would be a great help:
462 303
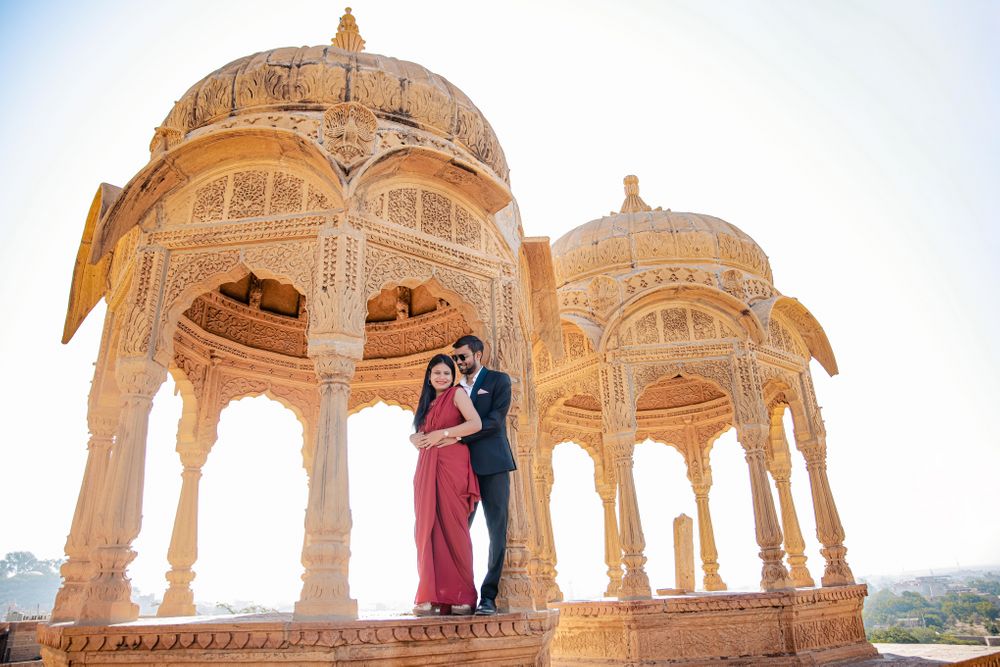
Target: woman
445 491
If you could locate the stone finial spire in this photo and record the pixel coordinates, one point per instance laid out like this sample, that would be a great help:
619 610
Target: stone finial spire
633 202
348 37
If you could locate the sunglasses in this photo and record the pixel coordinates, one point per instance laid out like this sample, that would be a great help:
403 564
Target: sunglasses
461 356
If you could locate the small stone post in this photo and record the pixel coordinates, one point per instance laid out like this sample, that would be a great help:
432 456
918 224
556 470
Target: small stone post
684 553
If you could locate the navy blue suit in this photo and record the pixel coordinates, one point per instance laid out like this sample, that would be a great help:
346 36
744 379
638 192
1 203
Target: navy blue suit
492 460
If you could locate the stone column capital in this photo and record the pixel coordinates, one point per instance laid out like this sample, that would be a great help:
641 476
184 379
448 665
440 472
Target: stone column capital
139 377
813 448
619 446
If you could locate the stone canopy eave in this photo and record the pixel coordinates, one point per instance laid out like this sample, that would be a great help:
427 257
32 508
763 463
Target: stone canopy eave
89 278
805 323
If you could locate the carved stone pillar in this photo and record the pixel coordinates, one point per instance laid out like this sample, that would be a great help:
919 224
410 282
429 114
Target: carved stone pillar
326 550
108 595
794 544
526 446
612 545
515 591
80 541
543 478
774 576
829 530
699 473
706 540
183 550
635 582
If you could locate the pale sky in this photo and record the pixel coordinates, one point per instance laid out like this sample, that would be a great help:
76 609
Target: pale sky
857 142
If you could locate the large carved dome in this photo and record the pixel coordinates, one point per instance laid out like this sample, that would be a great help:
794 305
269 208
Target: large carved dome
640 236
283 81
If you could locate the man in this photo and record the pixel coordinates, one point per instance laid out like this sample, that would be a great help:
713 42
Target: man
491 457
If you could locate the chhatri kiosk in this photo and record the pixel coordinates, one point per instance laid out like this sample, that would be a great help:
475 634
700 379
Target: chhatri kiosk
312 225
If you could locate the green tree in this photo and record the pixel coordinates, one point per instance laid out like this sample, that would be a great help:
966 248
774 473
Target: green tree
969 608
892 635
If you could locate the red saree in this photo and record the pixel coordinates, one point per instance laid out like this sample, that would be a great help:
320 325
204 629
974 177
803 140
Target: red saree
444 492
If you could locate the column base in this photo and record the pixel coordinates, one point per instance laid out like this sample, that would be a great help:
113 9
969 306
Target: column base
177 603
101 612
713 582
318 610
799 574
635 586
515 593
837 571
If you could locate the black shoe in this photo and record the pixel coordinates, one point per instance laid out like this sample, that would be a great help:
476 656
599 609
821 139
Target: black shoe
487 607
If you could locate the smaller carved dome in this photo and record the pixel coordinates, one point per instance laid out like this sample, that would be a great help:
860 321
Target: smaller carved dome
639 236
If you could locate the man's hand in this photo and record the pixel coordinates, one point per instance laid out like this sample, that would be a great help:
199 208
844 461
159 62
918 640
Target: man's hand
446 442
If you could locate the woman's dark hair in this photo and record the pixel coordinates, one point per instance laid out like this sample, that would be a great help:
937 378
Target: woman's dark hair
427 391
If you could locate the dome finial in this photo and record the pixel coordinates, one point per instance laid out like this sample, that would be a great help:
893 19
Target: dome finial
348 37
633 202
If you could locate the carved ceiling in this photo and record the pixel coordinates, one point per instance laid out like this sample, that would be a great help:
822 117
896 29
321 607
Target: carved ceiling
677 392
269 315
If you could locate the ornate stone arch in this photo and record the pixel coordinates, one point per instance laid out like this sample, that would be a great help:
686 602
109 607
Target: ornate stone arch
552 398
588 443
190 274
188 376
437 162
401 396
471 294
169 171
714 371
781 389
714 301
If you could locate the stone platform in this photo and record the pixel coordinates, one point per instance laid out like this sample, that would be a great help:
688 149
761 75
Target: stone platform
275 639
806 626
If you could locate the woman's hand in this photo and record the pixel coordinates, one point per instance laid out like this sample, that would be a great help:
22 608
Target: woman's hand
418 440
433 438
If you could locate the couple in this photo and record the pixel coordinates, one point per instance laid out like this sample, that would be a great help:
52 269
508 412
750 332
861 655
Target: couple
464 457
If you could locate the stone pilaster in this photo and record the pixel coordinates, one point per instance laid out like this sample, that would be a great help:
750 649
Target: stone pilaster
108 595
829 530
774 576
326 550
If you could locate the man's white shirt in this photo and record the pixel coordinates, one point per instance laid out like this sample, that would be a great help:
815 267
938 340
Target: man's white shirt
467 383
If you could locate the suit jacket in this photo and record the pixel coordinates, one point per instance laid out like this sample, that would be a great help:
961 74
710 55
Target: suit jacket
489 449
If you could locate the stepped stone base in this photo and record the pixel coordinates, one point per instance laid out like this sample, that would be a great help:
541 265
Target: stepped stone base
806 626
274 639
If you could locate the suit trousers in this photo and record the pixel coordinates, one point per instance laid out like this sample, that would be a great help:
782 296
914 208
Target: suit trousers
495 493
